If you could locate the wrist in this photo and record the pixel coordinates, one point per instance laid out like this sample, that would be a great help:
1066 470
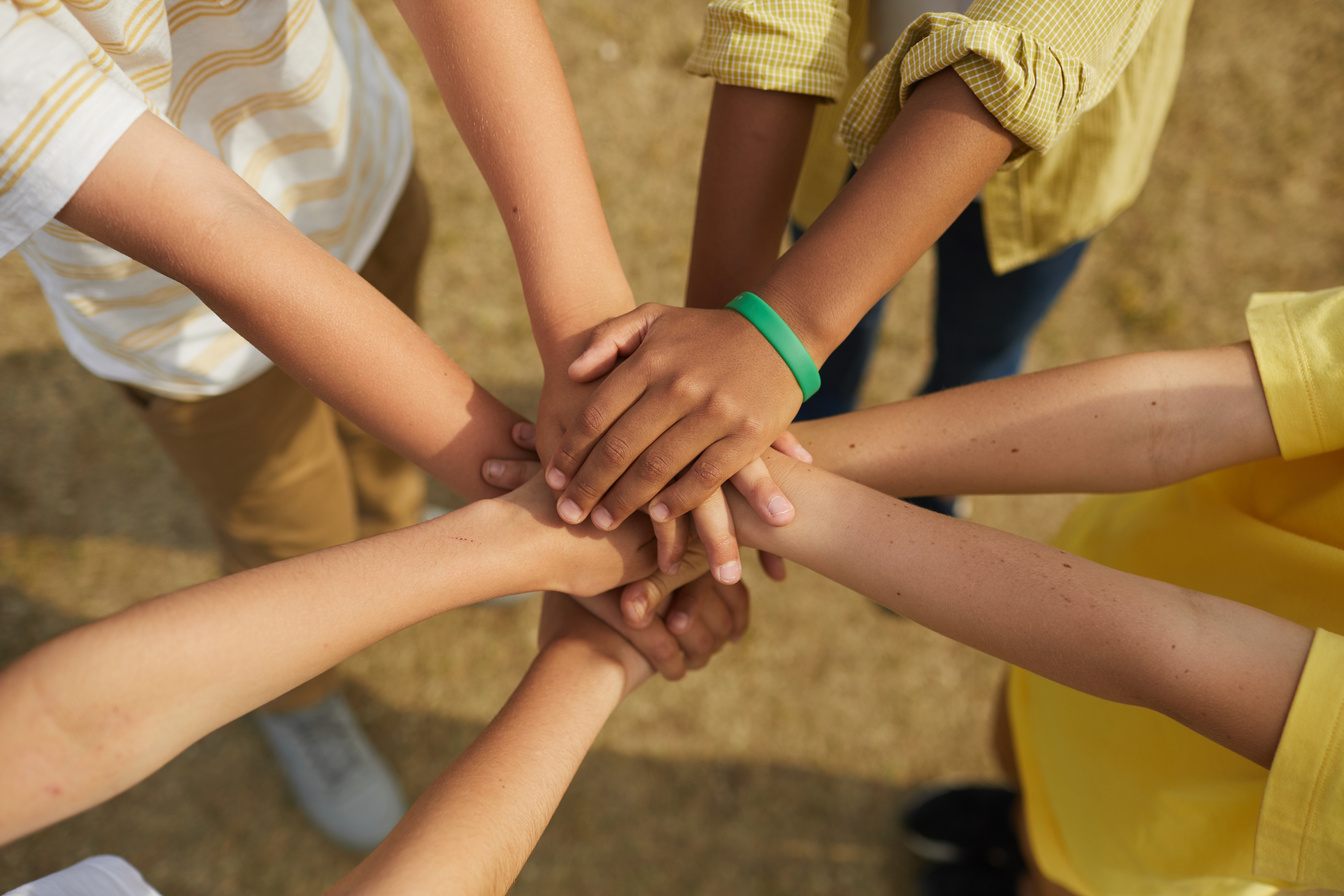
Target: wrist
562 325
801 317
605 676
785 342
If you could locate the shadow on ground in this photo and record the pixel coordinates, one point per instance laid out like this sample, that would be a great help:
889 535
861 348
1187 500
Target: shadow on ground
638 825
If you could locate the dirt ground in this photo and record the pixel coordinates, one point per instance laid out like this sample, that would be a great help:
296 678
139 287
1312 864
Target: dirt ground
782 767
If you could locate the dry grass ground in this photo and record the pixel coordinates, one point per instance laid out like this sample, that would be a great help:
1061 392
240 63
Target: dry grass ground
781 768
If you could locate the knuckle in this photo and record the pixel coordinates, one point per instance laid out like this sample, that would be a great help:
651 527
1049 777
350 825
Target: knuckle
750 428
707 473
664 652
590 423
683 390
586 489
654 467
615 450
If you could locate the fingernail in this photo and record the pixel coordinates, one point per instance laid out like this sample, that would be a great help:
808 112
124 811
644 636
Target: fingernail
601 518
778 505
659 513
555 479
807 455
640 605
672 570
677 622
524 431
569 511
494 469
729 573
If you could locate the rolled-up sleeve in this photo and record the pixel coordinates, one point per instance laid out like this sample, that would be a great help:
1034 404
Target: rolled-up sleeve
1300 835
1036 66
1299 351
792 46
59 115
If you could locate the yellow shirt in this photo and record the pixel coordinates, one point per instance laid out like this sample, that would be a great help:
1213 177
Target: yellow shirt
1086 85
1123 800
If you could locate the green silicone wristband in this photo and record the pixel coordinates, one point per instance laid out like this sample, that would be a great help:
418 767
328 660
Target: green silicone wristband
777 333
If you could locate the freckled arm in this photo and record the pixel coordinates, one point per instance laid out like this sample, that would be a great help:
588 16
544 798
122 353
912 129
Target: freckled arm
1119 424
1223 669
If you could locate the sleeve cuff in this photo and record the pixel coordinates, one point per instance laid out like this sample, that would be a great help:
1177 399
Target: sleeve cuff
1300 837
58 117
1035 91
1301 365
780 46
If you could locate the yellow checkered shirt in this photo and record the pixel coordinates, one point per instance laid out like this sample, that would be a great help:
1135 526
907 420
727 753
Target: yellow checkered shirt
1084 84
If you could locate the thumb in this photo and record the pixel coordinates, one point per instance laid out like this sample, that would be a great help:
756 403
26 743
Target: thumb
641 601
613 340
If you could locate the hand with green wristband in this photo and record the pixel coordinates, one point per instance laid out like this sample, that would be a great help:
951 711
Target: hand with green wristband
708 393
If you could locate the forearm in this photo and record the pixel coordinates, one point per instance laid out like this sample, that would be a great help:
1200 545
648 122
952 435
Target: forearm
1226 670
1119 424
98 709
940 152
475 826
754 147
502 83
167 203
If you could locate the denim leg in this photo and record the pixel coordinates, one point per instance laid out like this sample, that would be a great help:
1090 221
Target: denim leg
983 321
842 374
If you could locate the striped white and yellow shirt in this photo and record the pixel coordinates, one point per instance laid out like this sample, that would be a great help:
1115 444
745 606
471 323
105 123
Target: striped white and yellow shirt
1084 84
294 95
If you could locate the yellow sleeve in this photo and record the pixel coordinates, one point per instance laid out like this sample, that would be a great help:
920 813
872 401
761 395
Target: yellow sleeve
1036 66
1298 340
792 46
1300 836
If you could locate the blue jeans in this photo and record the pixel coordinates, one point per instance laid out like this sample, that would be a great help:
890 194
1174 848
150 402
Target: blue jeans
982 320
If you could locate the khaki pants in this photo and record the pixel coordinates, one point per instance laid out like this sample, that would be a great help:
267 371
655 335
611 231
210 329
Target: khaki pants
279 472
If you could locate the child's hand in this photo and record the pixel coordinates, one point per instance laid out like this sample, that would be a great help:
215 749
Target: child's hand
562 619
703 614
701 391
713 520
710 619
583 560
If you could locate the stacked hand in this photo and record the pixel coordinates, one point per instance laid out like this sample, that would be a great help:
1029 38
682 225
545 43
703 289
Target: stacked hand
699 395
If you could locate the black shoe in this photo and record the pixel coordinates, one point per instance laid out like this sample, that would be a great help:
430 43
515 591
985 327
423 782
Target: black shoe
967 880
968 825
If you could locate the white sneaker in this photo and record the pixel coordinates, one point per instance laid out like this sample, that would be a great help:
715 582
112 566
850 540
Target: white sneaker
337 777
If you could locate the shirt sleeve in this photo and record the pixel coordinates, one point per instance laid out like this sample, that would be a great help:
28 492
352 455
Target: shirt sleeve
1300 837
97 876
1298 339
792 46
1036 66
59 115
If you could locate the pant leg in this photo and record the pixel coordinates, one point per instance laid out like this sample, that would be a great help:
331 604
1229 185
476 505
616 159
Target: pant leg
266 463
278 472
982 320
389 490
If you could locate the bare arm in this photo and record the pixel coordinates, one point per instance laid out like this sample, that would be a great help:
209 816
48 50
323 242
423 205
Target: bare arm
498 74
96 710
1226 670
754 147
164 201
1119 424
703 389
475 826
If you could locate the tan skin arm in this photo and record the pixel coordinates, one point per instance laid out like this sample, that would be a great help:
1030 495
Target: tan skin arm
96 710
703 390
1223 669
1118 424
